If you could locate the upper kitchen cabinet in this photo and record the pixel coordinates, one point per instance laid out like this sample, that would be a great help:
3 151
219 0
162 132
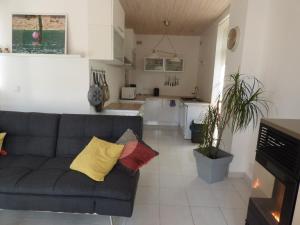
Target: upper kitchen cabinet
174 65
119 17
130 46
106 31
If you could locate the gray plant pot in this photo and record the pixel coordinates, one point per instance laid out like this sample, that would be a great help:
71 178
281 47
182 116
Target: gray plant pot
213 170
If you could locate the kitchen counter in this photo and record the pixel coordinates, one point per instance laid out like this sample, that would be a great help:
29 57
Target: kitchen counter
142 98
124 106
124 109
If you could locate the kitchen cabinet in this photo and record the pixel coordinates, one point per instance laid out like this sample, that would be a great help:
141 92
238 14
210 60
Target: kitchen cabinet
106 31
172 65
169 115
119 17
188 113
152 107
163 65
130 45
157 111
154 64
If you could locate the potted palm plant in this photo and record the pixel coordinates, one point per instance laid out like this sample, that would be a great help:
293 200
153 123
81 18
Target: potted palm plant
242 104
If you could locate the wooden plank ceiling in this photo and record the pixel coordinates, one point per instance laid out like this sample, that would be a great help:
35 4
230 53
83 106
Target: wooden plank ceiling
187 17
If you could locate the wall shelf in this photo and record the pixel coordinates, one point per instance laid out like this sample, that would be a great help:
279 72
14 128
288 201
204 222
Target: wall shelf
40 55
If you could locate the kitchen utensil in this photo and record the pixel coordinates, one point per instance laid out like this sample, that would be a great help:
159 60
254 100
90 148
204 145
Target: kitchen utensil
95 94
105 86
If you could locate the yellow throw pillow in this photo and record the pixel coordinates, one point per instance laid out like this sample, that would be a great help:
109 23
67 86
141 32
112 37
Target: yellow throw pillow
97 159
2 136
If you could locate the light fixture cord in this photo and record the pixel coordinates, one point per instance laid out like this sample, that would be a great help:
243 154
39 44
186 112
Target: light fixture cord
172 46
168 38
158 43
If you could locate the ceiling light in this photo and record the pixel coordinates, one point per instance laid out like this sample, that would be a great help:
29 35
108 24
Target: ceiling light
156 53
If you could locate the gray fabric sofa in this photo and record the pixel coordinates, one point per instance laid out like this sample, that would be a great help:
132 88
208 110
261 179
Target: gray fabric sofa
36 176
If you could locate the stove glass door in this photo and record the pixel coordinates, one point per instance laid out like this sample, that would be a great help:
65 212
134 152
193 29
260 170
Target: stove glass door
267 194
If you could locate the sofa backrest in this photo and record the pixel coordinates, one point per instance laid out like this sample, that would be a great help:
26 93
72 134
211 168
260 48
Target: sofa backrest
75 131
29 133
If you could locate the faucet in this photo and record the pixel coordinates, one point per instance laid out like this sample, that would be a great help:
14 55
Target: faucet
195 92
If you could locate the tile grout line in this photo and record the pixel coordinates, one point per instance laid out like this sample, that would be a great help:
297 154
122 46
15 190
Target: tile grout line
159 214
189 205
223 215
240 195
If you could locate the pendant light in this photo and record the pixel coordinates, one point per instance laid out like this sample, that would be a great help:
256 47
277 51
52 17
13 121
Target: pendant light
156 53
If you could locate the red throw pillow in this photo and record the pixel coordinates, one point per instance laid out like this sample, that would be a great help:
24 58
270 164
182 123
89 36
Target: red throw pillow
3 152
136 154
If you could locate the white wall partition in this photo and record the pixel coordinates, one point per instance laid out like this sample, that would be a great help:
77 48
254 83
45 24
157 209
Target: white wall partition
269 50
47 83
52 84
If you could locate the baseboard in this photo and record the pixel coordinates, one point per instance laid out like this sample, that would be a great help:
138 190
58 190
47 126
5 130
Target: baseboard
248 179
241 175
236 174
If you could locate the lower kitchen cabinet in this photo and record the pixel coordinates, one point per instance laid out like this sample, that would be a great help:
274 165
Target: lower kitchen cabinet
158 111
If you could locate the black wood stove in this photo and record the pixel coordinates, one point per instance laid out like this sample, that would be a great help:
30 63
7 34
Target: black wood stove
275 186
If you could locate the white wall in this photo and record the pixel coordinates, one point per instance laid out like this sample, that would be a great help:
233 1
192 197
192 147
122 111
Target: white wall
237 17
44 84
187 48
27 71
238 14
76 11
251 62
270 51
207 59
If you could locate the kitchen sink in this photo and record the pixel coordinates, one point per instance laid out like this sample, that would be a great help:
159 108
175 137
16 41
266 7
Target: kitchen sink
191 99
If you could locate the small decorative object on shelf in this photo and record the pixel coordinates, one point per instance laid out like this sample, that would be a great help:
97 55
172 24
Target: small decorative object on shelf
171 81
6 50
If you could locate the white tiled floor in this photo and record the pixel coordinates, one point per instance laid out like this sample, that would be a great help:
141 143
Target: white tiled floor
169 192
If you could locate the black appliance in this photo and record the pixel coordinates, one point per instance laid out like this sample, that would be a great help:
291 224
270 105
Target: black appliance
276 175
156 91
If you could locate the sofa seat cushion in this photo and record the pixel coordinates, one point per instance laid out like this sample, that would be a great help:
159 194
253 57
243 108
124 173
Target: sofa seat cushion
62 163
10 177
13 169
117 185
53 177
27 161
